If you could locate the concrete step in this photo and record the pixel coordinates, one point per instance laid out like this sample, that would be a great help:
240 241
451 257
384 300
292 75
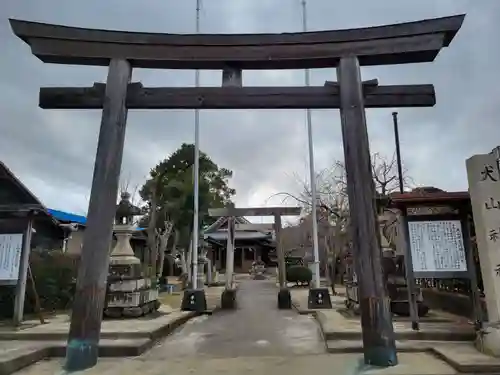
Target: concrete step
21 354
462 356
26 353
159 328
427 335
407 346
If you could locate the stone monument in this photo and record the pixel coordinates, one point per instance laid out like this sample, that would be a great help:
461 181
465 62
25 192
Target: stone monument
129 293
484 187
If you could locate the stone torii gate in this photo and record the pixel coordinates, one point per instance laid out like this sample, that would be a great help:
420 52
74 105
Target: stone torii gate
347 50
228 300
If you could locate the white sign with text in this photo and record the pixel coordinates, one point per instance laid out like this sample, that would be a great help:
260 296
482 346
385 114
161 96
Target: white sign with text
437 246
10 256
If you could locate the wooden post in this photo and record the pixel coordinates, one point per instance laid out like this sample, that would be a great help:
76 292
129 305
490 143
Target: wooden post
38 307
280 252
230 252
88 305
378 334
232 77
477 311
410 277
23 272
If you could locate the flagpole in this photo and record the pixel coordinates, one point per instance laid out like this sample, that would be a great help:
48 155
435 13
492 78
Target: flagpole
194 257
311 167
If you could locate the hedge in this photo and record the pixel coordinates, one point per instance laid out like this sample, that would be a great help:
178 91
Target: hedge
298 275
55 277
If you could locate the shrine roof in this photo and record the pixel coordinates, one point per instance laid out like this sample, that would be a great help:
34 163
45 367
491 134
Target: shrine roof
239 235
19 196
221 224
425 197
16 198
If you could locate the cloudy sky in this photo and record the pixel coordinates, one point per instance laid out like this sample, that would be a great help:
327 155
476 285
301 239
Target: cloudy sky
53 151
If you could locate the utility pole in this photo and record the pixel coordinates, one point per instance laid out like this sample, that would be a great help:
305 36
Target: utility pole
196 213
318 297
194 298
312 174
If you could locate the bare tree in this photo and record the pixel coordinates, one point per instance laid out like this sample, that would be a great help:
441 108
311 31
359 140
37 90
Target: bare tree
158 235
135 199
163 237
333 203
385 174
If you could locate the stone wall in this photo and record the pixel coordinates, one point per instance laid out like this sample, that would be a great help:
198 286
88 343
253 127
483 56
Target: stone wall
453 303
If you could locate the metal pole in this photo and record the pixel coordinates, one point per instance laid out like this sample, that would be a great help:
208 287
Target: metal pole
398 151
410 278
194 258
311 167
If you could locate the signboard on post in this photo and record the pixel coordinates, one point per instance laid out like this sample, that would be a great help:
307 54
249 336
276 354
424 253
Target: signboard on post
436 236
437 247
10 257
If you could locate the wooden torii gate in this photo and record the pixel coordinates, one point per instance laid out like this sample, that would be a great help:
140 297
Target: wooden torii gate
228 300
347 50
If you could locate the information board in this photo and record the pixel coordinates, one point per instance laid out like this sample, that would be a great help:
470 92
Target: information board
437 246
10 256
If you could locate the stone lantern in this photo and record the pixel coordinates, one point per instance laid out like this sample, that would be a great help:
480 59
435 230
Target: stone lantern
129 294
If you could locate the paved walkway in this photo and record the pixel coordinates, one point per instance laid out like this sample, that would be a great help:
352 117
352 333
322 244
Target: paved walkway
256 338
256 328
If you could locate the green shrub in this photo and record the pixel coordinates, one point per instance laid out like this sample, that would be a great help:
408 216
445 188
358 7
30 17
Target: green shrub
55 276
298 275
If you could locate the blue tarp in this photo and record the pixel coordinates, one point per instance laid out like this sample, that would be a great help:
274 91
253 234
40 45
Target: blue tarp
68 217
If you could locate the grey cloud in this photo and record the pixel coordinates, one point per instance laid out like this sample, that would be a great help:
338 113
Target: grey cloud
54 150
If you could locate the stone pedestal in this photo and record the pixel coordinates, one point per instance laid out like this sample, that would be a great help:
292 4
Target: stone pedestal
129 294
489 342
194 300
319 298
484 186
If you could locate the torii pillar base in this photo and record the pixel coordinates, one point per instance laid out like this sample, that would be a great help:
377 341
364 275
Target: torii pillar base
228 299
284 299
194 300
319 298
